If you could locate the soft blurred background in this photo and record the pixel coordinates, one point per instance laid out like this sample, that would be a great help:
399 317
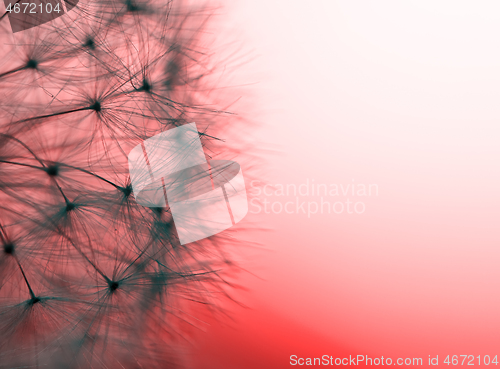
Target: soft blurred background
401 94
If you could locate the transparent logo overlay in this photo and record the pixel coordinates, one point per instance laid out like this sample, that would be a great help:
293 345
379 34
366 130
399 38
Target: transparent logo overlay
205 197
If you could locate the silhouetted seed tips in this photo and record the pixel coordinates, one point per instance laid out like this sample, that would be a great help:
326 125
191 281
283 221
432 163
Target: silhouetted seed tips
113 286
32 64
52 170
8 248
131 7
146 86
96 106
34 300
90 43
157 211
126 190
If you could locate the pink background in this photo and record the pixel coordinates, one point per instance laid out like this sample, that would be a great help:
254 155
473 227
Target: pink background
402 94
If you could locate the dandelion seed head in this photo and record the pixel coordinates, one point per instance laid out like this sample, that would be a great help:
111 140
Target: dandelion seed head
90 43
32 64
113 285
34 300
127 190
96 106
146 86
52 170
131 6
70 206
8 248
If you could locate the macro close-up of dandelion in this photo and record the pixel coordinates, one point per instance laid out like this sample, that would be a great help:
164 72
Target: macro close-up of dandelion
249 184
89 277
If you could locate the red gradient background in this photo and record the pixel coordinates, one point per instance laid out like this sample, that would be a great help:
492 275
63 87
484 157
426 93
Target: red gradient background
402 95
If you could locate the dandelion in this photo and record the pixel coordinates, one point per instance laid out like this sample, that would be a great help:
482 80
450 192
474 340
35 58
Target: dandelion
89 278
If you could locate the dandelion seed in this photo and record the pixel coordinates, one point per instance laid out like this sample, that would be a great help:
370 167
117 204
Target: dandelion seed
8 248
